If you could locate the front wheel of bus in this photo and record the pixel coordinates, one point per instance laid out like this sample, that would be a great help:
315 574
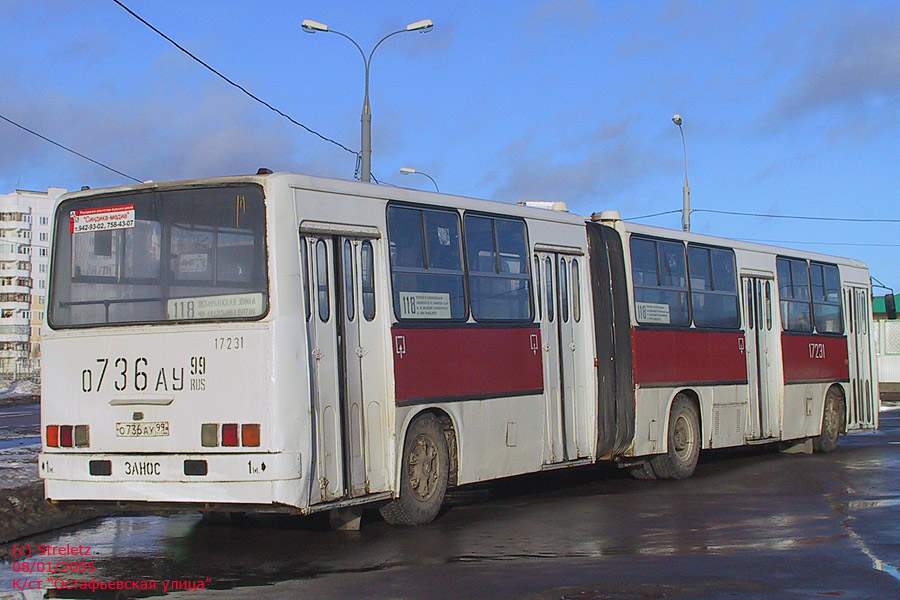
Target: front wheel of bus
680 459
424 474
832 423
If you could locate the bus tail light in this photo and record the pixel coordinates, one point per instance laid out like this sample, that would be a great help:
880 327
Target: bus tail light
53 436
209 435
250 435
230 434
68 436
65 436
82 436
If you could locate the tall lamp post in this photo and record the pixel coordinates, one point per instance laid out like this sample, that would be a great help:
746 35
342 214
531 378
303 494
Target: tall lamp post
686 191
310 26
411 171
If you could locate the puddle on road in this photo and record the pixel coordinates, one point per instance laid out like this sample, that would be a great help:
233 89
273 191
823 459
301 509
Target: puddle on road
19 442
264 550
722 511
873 503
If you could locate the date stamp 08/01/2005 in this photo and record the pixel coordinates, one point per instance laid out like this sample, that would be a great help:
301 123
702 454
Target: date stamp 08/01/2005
69 567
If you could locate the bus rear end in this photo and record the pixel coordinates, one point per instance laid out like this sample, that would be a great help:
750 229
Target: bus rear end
156 357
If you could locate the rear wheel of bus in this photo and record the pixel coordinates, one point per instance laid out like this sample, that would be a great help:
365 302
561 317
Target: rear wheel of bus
424 473
832 422
680 459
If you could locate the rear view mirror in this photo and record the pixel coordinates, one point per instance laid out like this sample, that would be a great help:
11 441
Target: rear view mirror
890 306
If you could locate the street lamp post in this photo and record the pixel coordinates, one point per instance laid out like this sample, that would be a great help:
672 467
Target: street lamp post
686 190
365 154
411 171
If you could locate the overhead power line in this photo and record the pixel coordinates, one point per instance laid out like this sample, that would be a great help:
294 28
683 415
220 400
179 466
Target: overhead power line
770 216
659 214
821 243
46 139
240 87
798 217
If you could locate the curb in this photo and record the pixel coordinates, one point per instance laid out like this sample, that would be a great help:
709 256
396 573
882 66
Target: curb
24 512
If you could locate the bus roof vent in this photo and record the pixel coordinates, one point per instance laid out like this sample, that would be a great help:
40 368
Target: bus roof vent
546 205
264 171
606 216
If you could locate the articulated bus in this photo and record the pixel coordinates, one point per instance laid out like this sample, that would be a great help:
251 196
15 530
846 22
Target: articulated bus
284 343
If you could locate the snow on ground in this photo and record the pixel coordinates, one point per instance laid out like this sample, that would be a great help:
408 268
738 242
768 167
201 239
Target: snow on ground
19 388
19 466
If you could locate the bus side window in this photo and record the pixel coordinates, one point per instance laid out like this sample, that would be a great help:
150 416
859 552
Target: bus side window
714 287
563 273
548 283
794 296
426 263
499 281
304 265
751 311
659 271
576 291
322 293
537 286
367 265
826 296
349 288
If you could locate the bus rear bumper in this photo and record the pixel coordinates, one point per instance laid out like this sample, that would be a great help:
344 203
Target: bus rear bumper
181 479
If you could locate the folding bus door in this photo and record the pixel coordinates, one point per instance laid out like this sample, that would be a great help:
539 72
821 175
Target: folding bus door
325 368
347 367
561 422
364 369
862 405
761 331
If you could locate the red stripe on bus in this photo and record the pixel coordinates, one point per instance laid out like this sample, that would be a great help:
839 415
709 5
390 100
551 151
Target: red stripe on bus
466 362
688 356
809 358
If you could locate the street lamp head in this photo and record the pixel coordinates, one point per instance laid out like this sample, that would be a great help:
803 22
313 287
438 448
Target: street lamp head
310 26
425 25
677 120
407 170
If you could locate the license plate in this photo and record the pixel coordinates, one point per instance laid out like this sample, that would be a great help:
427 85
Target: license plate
148 429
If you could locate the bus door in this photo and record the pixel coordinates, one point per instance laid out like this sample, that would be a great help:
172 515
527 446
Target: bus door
561 441
347 364
760 337
861 405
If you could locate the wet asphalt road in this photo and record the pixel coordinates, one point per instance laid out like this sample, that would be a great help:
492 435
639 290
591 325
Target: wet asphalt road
20 419
749 524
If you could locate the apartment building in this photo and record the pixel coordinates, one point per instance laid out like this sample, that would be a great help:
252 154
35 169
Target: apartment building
25 218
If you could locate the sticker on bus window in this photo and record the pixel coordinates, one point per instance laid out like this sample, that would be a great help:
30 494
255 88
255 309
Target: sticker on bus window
193 263
216 307
104 218
649 312
424 305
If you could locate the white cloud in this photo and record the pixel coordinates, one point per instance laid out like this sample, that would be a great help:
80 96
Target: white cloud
615 160
855 67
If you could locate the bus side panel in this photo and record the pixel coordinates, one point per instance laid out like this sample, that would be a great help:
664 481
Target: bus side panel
681 357
466 362
811 364
497 437
615 385
814 358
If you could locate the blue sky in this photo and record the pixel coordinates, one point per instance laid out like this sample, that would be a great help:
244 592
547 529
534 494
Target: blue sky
790 108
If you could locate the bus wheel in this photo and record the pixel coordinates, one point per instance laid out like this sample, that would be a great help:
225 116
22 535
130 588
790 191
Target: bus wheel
642 470
832 422
683 451
423 474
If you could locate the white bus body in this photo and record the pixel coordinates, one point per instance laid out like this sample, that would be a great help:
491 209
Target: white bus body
275 342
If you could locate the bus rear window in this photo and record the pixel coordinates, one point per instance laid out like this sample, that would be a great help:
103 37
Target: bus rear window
180 255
